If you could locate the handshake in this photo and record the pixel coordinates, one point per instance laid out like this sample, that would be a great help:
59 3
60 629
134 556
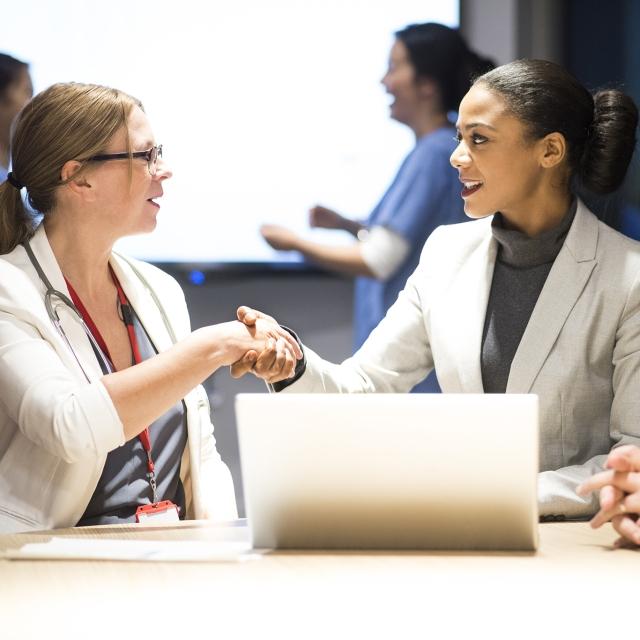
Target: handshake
268 350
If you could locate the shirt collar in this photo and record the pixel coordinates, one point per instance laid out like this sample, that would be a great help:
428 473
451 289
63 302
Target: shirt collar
517 249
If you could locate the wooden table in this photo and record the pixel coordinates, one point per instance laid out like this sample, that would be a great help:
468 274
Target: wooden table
575 586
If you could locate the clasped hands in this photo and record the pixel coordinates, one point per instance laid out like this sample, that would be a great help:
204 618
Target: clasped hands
277 360
619 488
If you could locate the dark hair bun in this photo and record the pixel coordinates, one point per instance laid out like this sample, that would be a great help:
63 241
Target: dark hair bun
610 143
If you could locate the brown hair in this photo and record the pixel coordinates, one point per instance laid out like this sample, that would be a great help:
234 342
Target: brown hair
67 121
441 54
10 70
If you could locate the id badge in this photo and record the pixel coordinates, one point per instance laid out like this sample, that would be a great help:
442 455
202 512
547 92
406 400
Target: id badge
158 513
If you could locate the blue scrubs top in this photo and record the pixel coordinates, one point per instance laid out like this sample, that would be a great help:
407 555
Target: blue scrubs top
424 195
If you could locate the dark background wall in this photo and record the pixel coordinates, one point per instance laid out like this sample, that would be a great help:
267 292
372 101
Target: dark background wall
596 40
602 49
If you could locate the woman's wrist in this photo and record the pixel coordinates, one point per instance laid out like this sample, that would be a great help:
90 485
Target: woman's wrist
222 344
353 227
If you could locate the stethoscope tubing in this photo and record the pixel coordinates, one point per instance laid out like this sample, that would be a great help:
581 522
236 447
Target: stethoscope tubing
50 295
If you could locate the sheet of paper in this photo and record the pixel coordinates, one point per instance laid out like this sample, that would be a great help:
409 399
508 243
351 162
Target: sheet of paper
69 548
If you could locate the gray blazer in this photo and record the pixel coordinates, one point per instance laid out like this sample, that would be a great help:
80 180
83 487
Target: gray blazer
580 352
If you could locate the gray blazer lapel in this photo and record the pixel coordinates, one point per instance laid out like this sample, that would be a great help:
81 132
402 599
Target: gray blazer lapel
566 282
461 316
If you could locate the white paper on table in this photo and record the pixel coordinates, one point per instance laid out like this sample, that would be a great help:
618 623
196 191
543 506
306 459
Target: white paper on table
133 550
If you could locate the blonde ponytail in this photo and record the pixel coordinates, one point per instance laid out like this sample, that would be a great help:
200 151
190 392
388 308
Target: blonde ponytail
16 224
67 121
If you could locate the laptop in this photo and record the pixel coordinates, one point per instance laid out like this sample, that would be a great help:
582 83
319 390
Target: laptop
390 471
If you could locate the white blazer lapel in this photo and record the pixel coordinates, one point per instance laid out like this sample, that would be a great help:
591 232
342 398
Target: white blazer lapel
142 302
460 318
565 283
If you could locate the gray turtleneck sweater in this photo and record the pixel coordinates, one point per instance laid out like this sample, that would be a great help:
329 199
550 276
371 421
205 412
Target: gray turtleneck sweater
522 267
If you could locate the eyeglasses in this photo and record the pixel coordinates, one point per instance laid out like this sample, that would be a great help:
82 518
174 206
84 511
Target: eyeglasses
151 156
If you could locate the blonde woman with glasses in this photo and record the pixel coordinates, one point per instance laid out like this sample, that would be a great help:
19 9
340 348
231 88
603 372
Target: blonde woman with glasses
102 419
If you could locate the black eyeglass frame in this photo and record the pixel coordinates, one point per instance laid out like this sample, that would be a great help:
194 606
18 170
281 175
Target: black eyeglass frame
151 156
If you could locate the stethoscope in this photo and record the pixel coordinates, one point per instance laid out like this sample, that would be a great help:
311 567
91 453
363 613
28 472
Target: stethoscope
53 300
52 295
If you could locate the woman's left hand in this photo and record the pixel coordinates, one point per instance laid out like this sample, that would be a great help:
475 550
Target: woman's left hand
619 488
279 237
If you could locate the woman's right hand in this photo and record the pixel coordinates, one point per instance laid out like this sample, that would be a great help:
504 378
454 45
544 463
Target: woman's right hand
324 218
238 340
275 362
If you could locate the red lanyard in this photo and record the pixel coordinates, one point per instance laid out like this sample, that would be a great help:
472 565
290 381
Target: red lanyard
127 318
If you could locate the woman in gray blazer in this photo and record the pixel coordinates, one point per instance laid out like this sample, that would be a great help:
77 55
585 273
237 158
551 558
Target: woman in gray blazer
535 296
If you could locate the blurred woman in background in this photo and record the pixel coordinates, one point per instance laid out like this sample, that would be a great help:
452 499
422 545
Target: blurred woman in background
430 70
15 91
